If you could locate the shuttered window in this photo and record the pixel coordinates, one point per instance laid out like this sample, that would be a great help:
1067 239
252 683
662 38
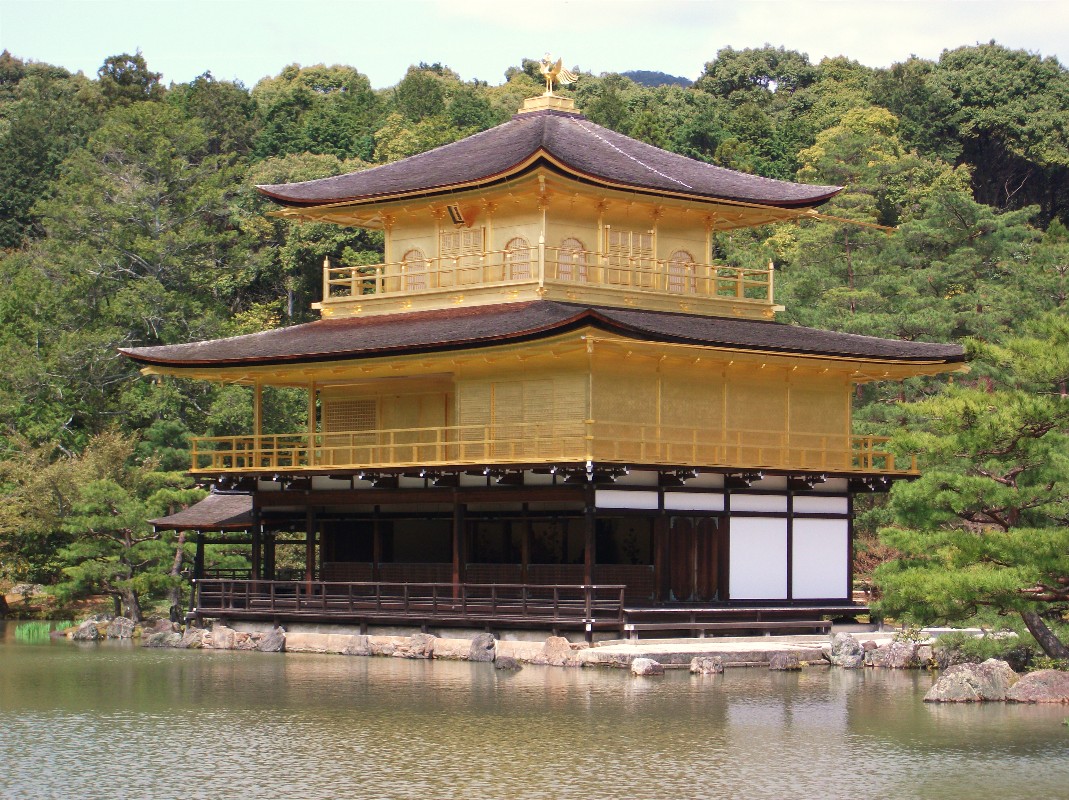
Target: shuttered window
415 265
572 261
462 242
629 257
681 272
517 259
350 414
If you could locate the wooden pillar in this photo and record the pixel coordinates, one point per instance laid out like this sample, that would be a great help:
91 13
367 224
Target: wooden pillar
309 547
525 546
310 460
590 538
376 546
459 554
257 548
269 555
257 422
198 569
660 541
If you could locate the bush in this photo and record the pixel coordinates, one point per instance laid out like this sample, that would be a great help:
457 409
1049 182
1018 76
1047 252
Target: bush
964 648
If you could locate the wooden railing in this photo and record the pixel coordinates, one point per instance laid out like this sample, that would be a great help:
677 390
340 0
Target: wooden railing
548 265
472 602
545 443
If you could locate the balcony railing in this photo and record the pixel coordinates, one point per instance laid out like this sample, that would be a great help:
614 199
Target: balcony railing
544 443
575 268
399 602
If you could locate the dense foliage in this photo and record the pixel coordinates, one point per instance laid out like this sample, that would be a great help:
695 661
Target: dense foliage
128 216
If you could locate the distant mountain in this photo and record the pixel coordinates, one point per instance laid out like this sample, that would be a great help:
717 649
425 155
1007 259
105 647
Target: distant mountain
644 77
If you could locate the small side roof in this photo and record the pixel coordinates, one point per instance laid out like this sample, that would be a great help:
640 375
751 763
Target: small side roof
480 326
566 141
216 512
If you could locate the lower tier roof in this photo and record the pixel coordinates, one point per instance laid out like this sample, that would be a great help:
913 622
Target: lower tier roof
464 328
216 512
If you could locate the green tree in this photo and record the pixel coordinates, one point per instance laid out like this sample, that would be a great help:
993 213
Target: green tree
126 79
225 109
50 115
318 109
985 530
419 95
1008 108
283 275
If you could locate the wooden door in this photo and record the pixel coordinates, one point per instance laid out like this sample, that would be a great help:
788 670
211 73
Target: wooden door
690 556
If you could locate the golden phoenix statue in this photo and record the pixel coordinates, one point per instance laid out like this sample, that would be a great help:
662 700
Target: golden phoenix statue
555 72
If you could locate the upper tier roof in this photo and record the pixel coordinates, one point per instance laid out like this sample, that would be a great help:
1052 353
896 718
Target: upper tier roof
568 141
461 328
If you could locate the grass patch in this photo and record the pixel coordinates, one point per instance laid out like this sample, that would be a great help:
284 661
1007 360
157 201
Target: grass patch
33 632
38 632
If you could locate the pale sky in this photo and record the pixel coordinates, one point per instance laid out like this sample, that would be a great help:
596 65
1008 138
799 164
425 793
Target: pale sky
250 39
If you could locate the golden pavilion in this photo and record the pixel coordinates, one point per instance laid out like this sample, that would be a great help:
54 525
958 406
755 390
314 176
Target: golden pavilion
547 408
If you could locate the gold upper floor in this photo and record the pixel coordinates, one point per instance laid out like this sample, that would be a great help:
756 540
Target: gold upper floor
547 236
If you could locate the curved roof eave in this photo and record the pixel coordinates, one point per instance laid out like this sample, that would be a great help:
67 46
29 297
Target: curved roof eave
569 142
486 326
531 164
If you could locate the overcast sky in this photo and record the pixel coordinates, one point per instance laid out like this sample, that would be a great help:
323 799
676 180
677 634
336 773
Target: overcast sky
251 39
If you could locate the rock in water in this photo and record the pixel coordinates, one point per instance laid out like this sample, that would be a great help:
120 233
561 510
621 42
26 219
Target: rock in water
646 666
707 665
273 641
971 683
483 647
88 631
162 639
845 647
120 628
1041 686
223 638
418 645
557 651
358 646
856 661
159 626
784 662
507 662
192 639
898 655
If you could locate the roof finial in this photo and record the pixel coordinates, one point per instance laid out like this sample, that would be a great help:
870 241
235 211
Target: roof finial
554 71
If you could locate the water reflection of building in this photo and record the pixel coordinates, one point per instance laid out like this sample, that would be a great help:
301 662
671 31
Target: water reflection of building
548 385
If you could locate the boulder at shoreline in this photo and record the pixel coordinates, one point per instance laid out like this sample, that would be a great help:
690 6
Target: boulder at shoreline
1041 686
973 683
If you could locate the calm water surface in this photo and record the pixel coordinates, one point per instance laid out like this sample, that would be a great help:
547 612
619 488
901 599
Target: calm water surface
115 721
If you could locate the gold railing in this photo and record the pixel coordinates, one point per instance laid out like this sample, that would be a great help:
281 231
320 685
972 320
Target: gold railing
548 265
545 443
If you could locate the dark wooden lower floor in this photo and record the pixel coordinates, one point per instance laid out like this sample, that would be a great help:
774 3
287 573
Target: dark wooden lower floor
493 606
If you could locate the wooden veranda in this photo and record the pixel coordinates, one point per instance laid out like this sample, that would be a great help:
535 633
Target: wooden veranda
588 609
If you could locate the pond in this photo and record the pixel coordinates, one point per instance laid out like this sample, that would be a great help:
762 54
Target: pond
114 720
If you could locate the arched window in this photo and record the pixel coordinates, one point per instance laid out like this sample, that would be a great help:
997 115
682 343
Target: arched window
571 262
414 267
681 270
517 259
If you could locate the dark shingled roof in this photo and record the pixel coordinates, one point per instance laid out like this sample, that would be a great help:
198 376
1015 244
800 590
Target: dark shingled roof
588 149
452 329
216 512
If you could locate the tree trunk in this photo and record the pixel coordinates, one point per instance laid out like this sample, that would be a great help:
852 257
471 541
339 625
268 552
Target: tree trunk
132 605
1050 643
174 593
